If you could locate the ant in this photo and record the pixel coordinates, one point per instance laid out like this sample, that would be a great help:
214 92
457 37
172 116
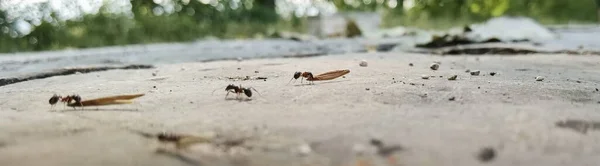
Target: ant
239 90
330 75
66 100
307 75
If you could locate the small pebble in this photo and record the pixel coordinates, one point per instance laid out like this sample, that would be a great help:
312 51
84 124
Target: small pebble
452 98
596 89
256 71
410 64
468 71
578 81
304 149
363 63
411 83
153 86
453 77
539 78
239 68
478 87
486 154
182 69
475 72
367 89
434 66
153 74
425 77
441 76
492 73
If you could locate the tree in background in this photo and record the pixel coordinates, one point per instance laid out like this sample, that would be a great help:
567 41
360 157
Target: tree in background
186 20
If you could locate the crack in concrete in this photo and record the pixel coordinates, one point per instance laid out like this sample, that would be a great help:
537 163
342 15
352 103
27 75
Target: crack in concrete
61 72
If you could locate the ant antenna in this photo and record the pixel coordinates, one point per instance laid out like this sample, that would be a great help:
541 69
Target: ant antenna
296 75
290 81
213 92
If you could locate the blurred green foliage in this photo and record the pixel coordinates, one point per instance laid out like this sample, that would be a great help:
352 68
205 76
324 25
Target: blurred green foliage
193 20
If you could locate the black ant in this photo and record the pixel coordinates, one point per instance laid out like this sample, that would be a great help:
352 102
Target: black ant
66 100
239 90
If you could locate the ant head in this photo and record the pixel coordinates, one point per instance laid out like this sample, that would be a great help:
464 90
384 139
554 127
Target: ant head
297 75
248 92
230 86
54 99
166 137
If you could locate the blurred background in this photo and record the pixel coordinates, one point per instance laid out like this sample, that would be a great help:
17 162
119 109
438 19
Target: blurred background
38 25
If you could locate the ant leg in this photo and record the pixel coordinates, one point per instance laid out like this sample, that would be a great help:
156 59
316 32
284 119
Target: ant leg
227 94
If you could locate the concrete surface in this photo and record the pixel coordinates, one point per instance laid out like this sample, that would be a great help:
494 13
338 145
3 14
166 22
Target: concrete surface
510 112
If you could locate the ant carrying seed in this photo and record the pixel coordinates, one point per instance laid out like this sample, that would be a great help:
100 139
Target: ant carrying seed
321 77
238 90
75 100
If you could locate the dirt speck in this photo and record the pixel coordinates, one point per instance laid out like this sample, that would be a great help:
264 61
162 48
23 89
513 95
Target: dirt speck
453 77
581 126
486 154
452 98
